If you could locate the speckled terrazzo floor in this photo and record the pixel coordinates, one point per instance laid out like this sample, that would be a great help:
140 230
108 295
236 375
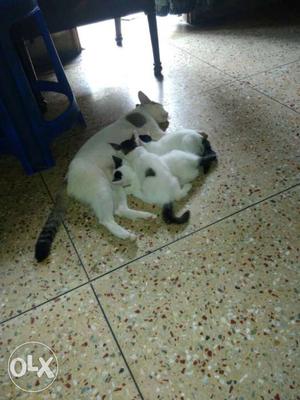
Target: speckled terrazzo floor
207 311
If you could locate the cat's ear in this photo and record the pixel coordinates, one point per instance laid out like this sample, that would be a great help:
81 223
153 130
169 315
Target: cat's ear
143 98
123 145
118 178
145 138
117 161
116 146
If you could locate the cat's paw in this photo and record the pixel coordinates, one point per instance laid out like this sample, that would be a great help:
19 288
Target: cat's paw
148 215
126 235
186 188
132 237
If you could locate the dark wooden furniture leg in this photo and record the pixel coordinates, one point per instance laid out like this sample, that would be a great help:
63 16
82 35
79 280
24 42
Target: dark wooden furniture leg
154 41
119 37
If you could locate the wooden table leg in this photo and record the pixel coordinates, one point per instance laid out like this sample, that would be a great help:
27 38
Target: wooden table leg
154 41
119 37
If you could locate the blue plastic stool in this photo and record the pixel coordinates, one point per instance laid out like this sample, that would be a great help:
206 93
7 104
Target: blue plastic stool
25 133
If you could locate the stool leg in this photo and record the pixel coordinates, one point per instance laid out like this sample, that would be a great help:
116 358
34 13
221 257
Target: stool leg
119 37
30 73
154 41
23 109
56 63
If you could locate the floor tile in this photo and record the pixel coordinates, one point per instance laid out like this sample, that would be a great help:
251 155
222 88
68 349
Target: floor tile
241 50
24 282
245 128
215 313
14 181
283 84
89 363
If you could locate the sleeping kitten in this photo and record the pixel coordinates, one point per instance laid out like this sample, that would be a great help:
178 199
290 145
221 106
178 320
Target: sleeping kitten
188 141
149 177
185 166
161 179
89 177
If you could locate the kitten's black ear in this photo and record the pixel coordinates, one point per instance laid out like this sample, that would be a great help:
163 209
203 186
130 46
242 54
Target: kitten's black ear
127 142
143 98
149 172
117 176
117 161
145 138
116 146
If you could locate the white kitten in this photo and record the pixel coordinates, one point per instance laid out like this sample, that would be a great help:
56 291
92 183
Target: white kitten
164 175
187 140
185 166
148 177
89 178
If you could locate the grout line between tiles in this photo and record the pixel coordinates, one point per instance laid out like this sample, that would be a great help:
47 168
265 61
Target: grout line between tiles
171 242
90 281
48 190
44 302
100 305
227 73
76 251
204 61
116 341
253 87
69 235
234 78
243 79
196 231
270 69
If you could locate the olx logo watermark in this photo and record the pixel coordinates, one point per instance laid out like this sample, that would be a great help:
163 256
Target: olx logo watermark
32 367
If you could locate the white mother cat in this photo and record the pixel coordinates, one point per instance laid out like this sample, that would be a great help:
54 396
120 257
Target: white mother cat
89 177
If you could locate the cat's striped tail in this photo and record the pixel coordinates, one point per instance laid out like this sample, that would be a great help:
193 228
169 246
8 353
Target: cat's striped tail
170 218
47 235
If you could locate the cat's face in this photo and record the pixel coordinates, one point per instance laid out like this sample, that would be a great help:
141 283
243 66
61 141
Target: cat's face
125 177
156 110
123 174
158 113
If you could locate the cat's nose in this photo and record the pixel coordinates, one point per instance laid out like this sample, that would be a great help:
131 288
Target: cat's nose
164 125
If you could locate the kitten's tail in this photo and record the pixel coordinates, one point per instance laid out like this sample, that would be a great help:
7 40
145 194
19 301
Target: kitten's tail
170 218
47 235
